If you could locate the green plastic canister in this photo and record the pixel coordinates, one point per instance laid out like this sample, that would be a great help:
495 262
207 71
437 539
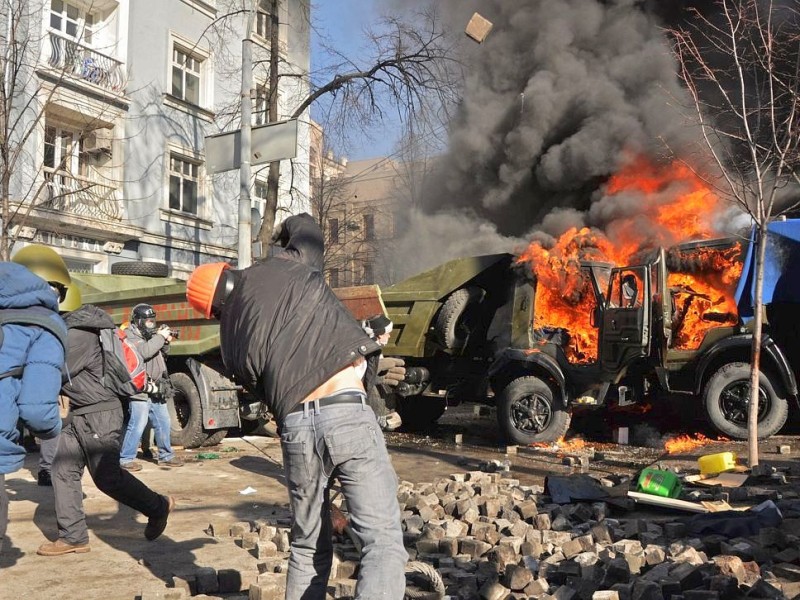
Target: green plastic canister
659 483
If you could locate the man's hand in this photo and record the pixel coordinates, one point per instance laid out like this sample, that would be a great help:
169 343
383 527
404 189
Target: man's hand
165 332
391 371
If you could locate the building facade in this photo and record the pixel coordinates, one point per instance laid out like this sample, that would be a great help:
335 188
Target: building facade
359 221
118 100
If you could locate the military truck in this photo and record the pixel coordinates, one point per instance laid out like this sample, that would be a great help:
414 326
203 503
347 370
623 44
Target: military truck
207 404
466 330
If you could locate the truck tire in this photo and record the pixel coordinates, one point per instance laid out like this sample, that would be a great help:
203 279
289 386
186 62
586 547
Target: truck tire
452 326
215 437
727 397
141 268
186 413
528 412
419 412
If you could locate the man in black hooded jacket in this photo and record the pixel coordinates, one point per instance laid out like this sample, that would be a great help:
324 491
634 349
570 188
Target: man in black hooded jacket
286 336
92 438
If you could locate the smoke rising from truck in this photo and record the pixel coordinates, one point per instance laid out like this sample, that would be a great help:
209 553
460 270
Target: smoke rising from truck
558 98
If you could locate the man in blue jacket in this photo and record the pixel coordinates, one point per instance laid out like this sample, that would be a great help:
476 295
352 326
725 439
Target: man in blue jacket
31 357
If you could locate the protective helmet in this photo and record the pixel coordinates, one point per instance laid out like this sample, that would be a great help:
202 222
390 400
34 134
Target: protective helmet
144 318
47 264
207 288
72 300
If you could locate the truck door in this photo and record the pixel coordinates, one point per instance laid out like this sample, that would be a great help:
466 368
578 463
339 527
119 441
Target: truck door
625 329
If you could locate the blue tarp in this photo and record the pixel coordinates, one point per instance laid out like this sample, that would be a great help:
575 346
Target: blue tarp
781 268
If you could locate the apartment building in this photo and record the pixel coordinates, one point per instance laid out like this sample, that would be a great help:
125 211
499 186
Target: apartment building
119 99
359 221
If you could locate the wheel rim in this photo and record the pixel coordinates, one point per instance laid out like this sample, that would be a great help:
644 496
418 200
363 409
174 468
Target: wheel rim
182 411
532 413
734 402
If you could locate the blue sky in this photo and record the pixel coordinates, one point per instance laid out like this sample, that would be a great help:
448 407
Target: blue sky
343 21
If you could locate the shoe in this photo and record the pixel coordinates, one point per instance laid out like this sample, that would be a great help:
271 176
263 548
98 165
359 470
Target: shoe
131 466
172 462
60 547
44 479
156 525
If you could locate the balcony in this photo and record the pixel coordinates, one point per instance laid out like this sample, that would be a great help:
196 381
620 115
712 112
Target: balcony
80 197
76 60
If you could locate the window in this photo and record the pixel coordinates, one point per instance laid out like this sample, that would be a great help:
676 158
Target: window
258 199
369 273
333 278
264 19
63 150
333 230
261 105
72 21
185 76
184 184
369 227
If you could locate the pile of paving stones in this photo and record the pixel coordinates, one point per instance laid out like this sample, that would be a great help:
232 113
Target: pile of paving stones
490 538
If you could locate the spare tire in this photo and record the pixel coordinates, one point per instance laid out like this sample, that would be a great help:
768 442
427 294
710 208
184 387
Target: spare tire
455 320
141 268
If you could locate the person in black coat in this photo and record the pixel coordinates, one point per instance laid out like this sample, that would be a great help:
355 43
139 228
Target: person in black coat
286 336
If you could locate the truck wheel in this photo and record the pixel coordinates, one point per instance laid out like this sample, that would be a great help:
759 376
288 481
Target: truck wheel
453 326
420 412
528 412
141 268
727 398
215 437
186 413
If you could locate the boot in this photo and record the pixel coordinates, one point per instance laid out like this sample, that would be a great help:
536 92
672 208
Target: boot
60 547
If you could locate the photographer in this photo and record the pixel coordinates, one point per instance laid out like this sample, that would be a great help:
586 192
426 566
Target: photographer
152 342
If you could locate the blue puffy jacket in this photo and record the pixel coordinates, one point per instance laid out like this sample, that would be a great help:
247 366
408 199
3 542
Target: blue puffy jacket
32 397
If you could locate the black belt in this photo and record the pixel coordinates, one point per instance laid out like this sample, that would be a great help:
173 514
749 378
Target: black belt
329 401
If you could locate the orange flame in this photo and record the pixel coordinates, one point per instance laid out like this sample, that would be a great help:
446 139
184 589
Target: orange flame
673 204
685 443
562 445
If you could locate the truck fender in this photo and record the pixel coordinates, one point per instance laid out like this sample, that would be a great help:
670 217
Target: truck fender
530 360
771 351
219 396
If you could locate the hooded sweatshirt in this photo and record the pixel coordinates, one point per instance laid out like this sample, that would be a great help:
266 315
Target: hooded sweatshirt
32 397
85 387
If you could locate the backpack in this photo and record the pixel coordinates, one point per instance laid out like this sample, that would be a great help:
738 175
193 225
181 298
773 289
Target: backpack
32 315
123 366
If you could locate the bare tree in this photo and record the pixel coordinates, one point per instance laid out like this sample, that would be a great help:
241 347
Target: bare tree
69 178
411 65
740 63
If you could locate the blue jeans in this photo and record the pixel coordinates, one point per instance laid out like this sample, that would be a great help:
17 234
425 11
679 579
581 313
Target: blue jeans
342 441
139 412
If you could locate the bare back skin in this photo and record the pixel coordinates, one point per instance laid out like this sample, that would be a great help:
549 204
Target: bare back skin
346 379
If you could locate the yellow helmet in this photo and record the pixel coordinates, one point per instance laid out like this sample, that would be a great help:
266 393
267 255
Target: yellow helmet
47 264
72 300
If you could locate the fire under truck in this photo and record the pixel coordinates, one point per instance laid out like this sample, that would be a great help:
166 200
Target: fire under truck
469 330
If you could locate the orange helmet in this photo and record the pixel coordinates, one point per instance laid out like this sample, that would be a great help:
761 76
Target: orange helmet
202 286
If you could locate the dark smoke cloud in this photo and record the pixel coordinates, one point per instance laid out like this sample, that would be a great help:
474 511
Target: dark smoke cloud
554 99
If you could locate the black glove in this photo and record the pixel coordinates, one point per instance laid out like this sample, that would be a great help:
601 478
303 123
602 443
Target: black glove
166 391
280 235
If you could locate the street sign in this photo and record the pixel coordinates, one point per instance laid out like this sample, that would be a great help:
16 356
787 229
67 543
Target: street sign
273 141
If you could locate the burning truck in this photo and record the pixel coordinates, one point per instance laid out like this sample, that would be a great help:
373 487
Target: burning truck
566 326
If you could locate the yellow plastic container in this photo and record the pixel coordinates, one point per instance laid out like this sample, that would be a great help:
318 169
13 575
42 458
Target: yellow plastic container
659 483
717 463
